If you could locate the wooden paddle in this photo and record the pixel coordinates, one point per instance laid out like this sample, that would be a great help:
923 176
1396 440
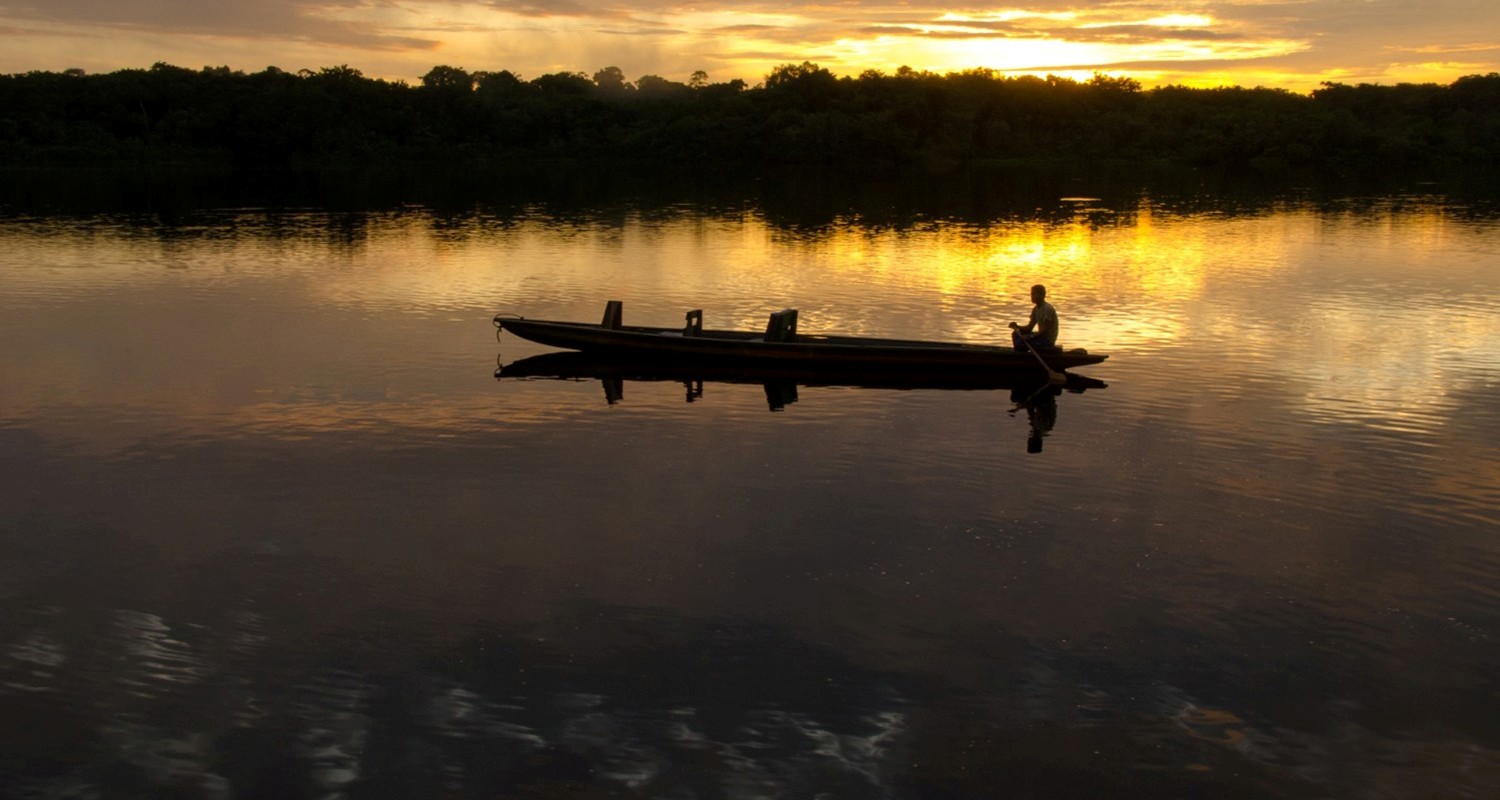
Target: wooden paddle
1053 376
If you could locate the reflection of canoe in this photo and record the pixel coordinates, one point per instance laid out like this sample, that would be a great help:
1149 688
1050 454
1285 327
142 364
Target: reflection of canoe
780 345
604 366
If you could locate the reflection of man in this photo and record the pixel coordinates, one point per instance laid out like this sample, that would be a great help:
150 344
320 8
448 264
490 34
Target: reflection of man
1041 412
1041 329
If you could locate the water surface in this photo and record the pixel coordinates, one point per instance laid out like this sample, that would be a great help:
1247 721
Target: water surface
272 527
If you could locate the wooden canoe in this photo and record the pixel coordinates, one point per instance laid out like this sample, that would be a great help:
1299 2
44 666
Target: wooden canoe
779 344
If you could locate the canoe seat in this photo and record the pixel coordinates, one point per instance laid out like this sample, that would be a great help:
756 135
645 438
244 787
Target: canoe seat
613 310
782 326
694 326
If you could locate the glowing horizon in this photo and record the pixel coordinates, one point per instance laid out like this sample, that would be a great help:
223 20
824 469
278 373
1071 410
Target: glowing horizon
1199 43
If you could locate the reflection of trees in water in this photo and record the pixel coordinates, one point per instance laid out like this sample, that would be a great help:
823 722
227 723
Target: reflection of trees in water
803 202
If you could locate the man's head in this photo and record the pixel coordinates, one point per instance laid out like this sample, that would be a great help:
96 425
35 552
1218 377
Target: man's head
1038 293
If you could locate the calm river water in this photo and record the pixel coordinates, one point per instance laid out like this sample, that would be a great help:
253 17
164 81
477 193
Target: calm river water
271 526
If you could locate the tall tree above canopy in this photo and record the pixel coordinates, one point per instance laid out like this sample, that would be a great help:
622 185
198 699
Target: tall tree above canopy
611 80
806 73
443 78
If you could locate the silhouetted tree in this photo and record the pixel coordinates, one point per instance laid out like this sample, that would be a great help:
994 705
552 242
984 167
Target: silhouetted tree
803 112
447 79
657 86
564 83
611 81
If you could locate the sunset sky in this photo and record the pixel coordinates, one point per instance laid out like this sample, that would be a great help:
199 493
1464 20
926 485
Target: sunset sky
1295 44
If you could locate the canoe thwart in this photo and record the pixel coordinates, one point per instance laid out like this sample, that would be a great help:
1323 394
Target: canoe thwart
613 311
782 327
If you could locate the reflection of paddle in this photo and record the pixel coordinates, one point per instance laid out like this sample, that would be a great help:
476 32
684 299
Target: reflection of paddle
1053 376
1027 402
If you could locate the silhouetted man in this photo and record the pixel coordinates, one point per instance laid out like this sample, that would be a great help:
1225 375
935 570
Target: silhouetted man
1041 329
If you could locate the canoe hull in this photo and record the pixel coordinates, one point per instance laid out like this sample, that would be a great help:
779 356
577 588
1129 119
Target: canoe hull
669 344
604 366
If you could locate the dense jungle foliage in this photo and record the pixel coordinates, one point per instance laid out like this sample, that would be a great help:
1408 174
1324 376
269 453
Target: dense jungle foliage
800 114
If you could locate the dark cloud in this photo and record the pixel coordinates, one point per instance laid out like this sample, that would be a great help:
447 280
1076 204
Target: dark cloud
281 19
642 30
1117 34
773 55
742 29
554 8
1150 65
1143 34
1436 49
1369 25
557 8
1367 40
976 29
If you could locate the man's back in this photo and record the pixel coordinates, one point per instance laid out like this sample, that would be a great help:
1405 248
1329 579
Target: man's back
1044 316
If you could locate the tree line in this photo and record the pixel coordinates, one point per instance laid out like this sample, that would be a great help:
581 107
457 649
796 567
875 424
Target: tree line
800 113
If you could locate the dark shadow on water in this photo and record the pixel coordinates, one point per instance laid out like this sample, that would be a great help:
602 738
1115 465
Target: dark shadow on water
584 366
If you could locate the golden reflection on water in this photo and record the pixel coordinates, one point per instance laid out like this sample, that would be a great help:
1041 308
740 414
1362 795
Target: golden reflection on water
758 268
1341 291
